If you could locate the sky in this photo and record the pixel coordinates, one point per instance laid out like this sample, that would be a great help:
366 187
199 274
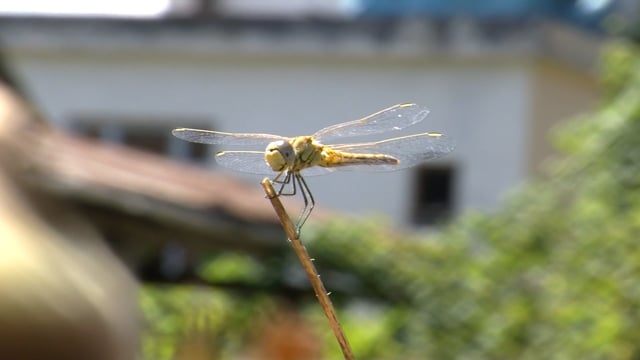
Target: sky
110 8
160 8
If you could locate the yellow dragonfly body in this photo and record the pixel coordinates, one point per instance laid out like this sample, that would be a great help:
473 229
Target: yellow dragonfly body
292 158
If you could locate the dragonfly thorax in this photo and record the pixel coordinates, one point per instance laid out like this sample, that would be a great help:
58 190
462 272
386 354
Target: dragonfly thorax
279 155
296 154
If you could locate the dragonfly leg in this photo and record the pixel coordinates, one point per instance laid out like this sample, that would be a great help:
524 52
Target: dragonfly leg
309 202
276 180
284 182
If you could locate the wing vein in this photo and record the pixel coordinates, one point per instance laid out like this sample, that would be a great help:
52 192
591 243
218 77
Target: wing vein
394 118
223 138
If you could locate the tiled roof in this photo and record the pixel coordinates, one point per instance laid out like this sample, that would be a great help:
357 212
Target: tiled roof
131 191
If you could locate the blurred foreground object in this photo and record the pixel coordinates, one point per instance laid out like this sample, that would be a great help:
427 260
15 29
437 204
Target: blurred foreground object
64 295
285 335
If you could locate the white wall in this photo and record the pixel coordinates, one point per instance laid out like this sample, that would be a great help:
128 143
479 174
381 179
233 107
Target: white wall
484 105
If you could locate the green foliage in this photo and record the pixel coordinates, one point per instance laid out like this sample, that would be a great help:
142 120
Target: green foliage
177 314
552 275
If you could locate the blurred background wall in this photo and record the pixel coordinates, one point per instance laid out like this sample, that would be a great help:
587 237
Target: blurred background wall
497 77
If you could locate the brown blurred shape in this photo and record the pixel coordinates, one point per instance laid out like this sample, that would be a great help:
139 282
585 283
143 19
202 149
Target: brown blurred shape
285 335
63 295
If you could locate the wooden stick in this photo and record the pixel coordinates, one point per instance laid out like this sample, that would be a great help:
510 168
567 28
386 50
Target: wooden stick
309 268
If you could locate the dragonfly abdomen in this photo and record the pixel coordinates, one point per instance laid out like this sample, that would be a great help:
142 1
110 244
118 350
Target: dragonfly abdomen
334 158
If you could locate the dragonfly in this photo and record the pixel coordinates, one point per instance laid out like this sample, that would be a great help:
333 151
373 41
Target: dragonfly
292 159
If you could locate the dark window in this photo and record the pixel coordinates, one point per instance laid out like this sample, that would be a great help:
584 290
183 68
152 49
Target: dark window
433 199
89 130
146 134
152 140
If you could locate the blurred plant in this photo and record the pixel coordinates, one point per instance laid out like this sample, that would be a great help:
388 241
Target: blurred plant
182 316
551 275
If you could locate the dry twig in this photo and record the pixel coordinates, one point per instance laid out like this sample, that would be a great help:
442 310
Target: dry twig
309 268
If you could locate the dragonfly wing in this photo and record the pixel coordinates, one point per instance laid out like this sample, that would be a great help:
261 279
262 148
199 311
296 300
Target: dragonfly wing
396 117
246 161
317 171
223 138
253 162
409 150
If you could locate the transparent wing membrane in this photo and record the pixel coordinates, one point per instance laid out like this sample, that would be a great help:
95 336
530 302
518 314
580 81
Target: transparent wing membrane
296 155
223 138
393 118
253 162
409 150
245 161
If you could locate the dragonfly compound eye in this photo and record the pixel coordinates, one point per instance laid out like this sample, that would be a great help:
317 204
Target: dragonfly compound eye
279 155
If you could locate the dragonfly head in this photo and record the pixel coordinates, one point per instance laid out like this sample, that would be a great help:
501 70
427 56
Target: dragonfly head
279 155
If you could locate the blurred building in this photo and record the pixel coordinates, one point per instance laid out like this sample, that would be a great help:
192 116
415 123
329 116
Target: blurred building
495 84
